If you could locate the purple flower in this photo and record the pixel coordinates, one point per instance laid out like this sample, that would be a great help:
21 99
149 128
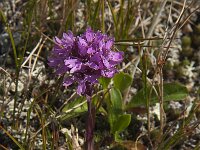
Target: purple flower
85 58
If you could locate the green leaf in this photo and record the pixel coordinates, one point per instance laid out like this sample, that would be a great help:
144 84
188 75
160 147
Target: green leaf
104 82
172 91
117 137
117 120
122 81
8 30
74 108
122 123
116 98
114 107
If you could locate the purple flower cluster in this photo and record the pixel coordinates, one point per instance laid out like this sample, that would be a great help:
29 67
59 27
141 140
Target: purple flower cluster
85 58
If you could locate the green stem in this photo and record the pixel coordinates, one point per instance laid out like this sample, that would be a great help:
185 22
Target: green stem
102 15
16 96
144 76
161 101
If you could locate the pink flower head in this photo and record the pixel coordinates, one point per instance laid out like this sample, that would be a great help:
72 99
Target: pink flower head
86 58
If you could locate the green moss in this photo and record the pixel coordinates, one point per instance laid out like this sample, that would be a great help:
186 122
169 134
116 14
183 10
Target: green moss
186 41
187 51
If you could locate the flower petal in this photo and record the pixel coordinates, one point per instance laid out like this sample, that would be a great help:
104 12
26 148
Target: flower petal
68 81
89 35
53 62
108 73
109 44
116 56
62 69
70 62
81 88
105 62
82 45
67 38
92 78
82 42
76 68
92 65
90 50
57 40
96 58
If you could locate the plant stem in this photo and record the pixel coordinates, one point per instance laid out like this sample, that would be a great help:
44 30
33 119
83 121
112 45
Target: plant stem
90 124
15 98
102 17
144 76
161 101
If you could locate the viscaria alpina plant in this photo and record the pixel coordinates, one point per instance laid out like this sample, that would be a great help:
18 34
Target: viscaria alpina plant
84 59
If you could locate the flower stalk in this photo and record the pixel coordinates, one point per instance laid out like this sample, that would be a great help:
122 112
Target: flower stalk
90 124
